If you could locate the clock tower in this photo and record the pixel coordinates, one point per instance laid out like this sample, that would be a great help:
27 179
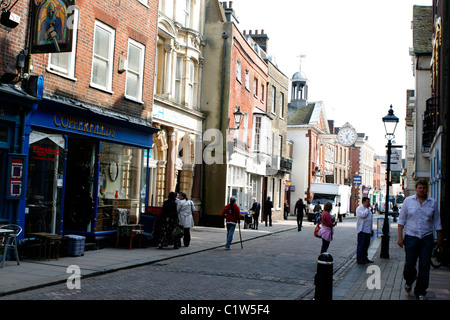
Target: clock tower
299 93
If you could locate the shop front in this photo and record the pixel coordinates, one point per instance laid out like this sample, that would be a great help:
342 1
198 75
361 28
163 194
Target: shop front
176 164
83 163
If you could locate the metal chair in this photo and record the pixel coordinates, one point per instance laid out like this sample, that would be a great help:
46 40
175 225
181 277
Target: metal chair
9 240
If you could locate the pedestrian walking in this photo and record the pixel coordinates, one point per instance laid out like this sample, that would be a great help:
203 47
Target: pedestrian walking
395 212
298 211
326 231
268 205
169 221
256 209
232 215
318 211
185 209
364 229
419 217
286 209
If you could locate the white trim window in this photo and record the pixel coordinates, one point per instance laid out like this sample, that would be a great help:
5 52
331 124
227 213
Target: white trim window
178 79
273 106
238 71
135 70
184 12
103 57
63 63
281 105
247 79
191 84
262 93
257 135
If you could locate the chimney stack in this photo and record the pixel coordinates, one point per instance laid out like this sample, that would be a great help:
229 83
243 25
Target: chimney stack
260 38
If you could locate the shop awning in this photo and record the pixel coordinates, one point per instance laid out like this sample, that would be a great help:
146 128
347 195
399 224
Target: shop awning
75 117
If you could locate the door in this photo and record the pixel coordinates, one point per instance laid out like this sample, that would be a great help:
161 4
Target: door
44 183
79 191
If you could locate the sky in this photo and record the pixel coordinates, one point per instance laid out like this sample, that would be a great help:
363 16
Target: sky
356 55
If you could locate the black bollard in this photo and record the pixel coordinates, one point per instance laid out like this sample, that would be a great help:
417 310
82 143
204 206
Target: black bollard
324 278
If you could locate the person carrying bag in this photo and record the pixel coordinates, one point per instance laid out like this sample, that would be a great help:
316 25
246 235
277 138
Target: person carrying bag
185 208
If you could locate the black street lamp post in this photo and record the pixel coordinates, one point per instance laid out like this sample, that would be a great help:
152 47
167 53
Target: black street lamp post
390 123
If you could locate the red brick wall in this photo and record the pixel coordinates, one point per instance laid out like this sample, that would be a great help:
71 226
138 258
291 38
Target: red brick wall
13 41
239 95
130 19
356 167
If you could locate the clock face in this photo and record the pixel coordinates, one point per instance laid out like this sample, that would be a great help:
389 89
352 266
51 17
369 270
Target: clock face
113 171
347 136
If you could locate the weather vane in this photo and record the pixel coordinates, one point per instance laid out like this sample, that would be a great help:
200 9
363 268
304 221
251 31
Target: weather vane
301 56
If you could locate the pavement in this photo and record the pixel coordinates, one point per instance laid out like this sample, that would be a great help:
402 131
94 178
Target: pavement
381 280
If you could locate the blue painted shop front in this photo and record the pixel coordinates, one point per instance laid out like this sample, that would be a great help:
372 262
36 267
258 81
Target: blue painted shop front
15 104
83 162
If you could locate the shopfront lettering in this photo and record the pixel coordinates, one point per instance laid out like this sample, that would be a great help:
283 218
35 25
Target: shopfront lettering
79 124
40 150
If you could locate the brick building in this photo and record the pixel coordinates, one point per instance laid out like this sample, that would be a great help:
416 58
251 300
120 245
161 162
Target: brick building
238 82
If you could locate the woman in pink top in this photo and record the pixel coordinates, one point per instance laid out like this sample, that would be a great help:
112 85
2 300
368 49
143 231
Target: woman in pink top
326 231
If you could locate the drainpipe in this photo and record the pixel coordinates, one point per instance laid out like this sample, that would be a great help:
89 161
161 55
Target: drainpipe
222 89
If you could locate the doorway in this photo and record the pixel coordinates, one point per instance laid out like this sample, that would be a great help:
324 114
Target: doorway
44 183
79 191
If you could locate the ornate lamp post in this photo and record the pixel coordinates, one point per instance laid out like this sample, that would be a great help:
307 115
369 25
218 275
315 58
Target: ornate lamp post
238 116
390 124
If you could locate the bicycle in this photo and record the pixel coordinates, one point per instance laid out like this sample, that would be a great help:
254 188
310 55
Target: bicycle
436 261
440 255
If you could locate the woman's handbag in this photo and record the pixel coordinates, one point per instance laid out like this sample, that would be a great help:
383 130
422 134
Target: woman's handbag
316 230
177 233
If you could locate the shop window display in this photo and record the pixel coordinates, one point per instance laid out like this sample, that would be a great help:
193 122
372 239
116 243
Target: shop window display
122 177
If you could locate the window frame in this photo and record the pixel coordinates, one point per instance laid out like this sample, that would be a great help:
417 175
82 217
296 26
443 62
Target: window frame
178 87
110 59
257 134
144 2
68 72
273 107
247 79
139 73
191 83
281 105
239 71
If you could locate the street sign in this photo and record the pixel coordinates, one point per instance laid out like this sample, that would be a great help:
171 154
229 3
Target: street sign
396 160
357 179
395 176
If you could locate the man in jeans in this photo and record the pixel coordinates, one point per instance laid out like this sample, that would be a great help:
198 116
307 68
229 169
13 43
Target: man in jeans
364 228
418 218
232 215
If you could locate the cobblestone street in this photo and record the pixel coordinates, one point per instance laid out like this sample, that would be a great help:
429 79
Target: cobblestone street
279 266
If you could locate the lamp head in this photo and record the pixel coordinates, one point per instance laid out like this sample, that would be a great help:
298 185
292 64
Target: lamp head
238 116
390 124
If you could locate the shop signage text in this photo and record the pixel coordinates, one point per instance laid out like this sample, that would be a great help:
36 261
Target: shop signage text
83 125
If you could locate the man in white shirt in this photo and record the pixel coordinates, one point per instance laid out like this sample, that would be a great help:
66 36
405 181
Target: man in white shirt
418 219
364 229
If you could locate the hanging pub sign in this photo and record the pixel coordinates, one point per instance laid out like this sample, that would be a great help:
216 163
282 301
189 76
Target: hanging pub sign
52 25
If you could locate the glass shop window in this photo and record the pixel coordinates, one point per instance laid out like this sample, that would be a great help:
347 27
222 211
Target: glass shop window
122 183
